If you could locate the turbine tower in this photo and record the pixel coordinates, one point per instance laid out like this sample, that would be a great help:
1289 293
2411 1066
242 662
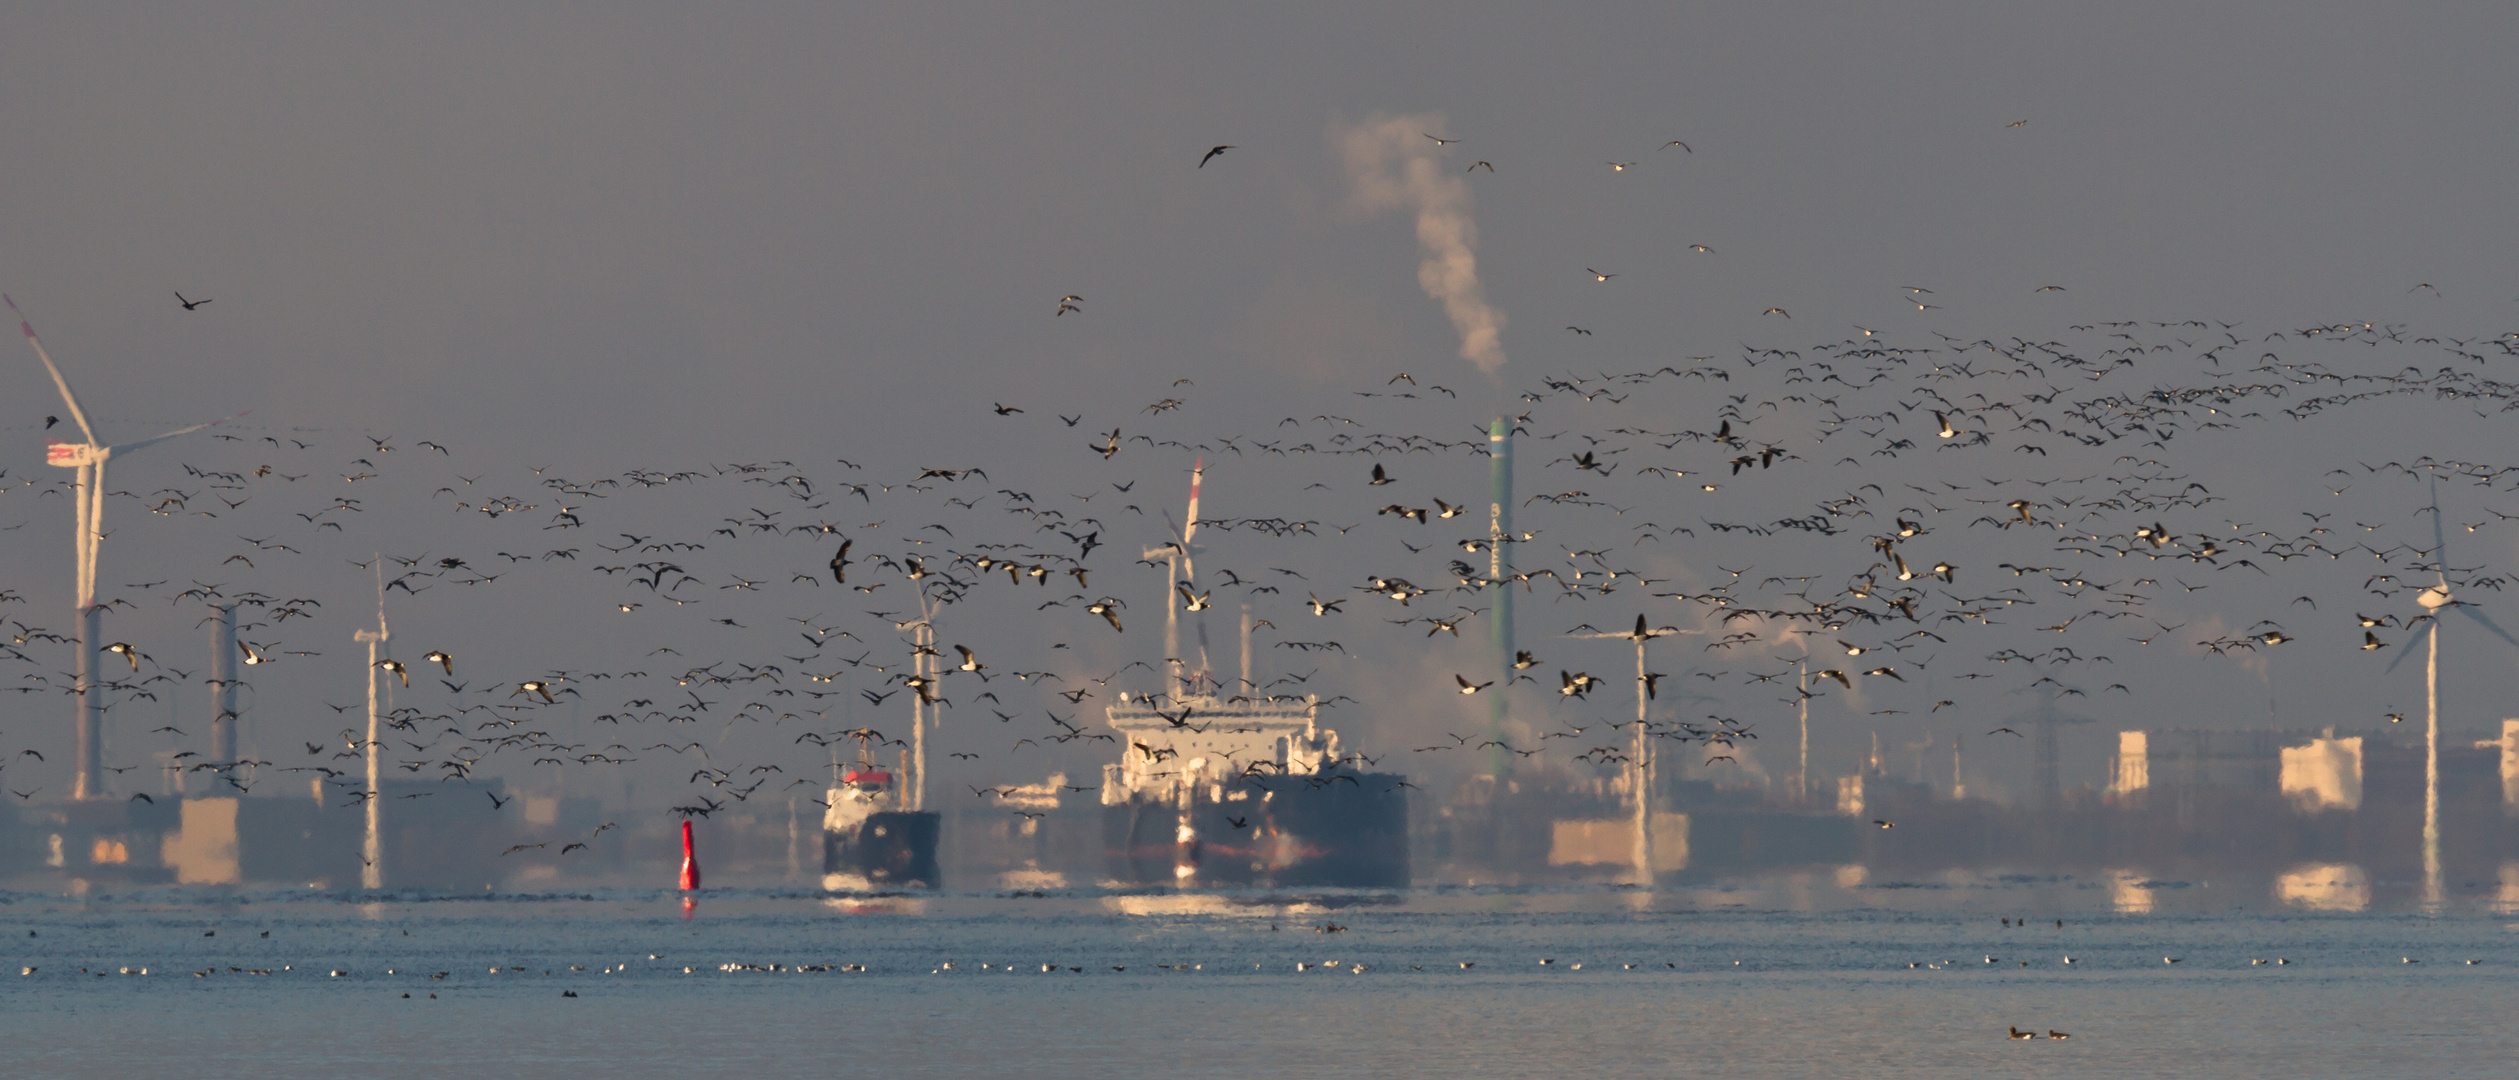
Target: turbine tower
372 851
88 498
2437 601
223 715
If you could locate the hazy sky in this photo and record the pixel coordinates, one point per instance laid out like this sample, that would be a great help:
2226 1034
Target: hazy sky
596 237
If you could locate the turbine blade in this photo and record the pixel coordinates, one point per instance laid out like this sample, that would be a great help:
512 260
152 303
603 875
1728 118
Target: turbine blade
76 413
2411 640
2440 541
2489 624
131 446
1190 528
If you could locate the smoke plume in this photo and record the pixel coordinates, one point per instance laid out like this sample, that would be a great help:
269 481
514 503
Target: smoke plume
1392 165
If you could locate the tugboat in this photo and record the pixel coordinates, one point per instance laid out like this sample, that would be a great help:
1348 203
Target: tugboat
878 835
870 844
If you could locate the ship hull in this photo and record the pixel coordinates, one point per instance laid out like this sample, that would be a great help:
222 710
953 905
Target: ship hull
1347 830
889 849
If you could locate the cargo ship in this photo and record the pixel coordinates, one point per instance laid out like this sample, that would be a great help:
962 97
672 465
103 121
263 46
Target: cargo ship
1217 790
870 843
1213 792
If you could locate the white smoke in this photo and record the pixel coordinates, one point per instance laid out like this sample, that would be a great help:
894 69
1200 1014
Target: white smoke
1392 165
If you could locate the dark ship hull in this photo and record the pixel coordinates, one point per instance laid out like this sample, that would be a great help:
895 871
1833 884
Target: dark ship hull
1341 830
887 849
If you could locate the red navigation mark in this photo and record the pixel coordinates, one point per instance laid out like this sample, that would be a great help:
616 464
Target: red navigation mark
690 863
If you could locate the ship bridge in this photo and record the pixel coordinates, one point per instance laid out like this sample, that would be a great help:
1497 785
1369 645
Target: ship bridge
1210 742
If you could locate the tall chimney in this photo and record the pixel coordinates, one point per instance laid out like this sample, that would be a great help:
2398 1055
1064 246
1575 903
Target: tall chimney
1499 567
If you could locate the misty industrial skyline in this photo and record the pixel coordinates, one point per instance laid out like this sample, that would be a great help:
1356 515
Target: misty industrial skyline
589 247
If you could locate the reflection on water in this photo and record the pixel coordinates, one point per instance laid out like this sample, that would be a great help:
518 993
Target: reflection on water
1174 904
2129 892
876 905
1031 879
2324 887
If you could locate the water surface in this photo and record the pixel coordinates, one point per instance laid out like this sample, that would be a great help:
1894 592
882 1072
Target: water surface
1587 981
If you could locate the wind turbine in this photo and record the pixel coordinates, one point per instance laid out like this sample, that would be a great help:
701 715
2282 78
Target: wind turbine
88 496
1641 764
1181 566
2434 600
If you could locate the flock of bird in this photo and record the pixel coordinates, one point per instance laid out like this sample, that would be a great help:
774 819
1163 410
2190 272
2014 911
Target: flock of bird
1921 526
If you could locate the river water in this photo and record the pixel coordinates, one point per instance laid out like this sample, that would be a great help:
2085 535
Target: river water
1747 982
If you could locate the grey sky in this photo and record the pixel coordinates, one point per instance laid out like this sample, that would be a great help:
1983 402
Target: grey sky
595 238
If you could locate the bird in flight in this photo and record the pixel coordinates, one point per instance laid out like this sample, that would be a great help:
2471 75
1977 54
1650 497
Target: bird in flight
1477 165
1202 162
1440 141
1777 311
1681 145
1108 611
189 305
1620 166
1597 275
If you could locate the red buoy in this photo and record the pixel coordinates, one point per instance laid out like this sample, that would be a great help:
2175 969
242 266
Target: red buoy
690 864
